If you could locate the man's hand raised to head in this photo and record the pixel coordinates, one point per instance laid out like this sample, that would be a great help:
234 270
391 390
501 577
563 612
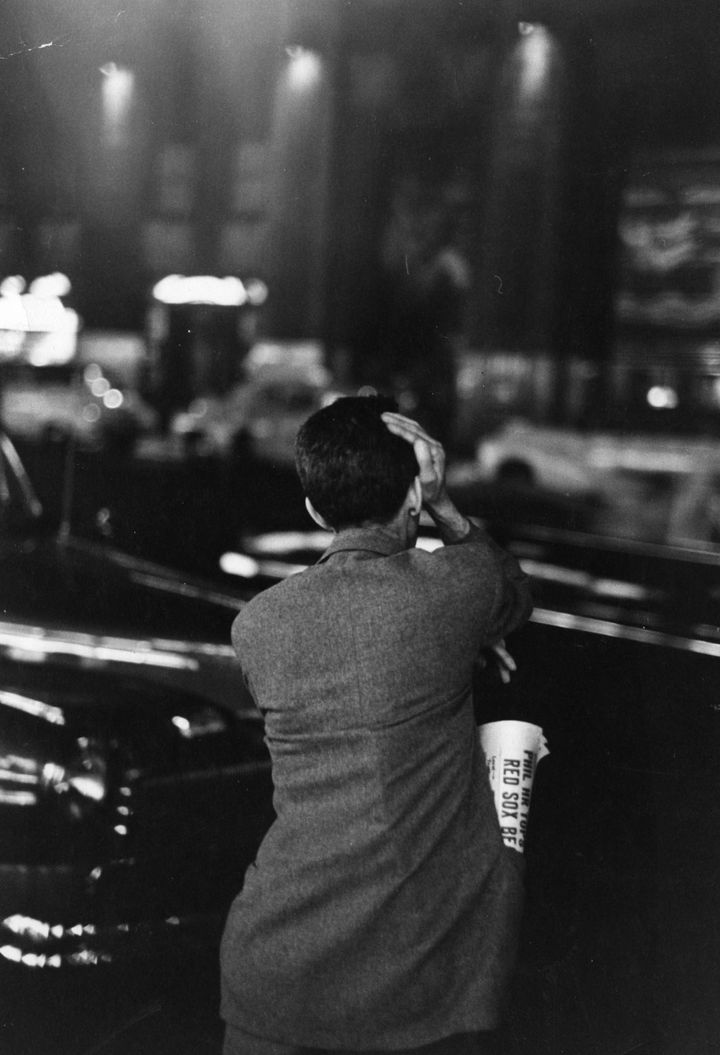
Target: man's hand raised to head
429 453
430 456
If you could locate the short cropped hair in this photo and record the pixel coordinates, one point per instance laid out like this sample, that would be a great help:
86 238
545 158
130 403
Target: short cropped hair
351 467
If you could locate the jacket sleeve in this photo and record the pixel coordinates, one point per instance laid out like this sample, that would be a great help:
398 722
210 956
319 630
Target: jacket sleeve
512 603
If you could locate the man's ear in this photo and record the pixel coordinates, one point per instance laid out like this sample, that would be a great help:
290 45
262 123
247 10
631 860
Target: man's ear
317 517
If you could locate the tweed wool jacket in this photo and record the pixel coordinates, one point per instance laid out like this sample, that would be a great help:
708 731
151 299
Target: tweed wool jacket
382 909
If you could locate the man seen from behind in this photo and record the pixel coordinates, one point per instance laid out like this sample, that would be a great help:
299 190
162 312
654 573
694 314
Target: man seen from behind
382 911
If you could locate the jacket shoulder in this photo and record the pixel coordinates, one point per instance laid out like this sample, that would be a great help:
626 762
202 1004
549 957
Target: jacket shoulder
266 603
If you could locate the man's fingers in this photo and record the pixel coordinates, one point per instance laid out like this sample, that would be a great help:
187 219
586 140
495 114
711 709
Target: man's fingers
504 657
429 453
506 664
425 460
405 427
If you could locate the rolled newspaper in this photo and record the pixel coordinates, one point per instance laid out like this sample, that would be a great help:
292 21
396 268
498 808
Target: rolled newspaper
512 750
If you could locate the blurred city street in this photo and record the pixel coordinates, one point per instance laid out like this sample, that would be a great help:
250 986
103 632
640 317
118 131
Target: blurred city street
218 217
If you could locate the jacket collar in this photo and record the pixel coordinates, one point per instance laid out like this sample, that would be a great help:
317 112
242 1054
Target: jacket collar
372 539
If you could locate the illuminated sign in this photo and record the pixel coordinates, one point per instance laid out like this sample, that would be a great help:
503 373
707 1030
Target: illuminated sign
208 289
35 325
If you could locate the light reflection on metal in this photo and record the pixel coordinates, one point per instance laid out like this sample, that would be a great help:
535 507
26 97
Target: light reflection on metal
181 724
247 568
15 771
84 944
17 798
53 775
83 958
39 642
641 635
37 708
582 580
90 784
280 542
239 564
16 777
30 959
204 722
185 589
19 763
27 927
8 451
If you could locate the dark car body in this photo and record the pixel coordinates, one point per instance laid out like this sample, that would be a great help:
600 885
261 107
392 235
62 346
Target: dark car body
134 780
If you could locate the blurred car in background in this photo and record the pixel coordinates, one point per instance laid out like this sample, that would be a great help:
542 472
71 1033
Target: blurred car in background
69 401
653 488
134 781
284 383
574 461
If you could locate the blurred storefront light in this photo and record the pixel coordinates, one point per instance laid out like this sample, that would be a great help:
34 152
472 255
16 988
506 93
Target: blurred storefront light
536 53
662 397
12 286
35 325
91 413
118 88
209 289
98 386
305 68
113 399
56 284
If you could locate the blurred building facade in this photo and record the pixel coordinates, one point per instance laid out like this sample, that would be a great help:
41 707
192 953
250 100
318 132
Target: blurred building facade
479 150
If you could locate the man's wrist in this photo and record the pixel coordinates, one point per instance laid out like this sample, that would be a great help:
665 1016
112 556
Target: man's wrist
450 522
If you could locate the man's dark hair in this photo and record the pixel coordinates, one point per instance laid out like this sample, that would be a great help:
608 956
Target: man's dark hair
351 467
